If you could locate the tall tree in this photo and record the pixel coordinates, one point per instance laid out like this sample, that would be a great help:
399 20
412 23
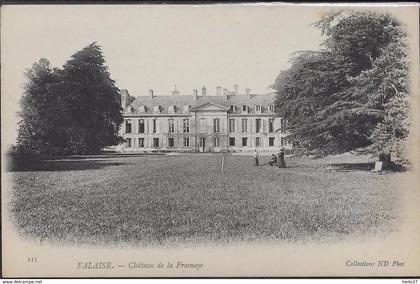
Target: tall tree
73 110
332 98
91 100
307 98
39 130
386 86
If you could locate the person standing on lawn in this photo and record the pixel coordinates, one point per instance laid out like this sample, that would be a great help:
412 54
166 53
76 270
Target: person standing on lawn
256 157
281 163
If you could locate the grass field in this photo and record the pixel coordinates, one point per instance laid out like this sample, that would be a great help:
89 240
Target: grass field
165 200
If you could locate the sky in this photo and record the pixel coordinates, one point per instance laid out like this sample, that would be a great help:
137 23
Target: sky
157 47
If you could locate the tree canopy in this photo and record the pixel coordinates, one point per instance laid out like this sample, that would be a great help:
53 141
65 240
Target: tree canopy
72 110
345 96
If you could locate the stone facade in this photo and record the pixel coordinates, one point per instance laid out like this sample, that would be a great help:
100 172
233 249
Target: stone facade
192 123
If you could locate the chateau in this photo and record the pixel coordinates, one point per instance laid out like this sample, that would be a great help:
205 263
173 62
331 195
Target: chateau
221 122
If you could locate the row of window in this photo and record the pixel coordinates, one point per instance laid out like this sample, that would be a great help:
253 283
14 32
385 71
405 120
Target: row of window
216 142
202 126
283 141
258 108
232 141
171 126
244 125
232 108
156 143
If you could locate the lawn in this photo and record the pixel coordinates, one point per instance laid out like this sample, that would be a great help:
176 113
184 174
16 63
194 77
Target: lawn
179 199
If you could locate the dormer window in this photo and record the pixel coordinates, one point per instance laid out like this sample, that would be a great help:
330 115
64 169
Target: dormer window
271 107
258 108
232 108
156 109
186 109
171 109
244 108
142 109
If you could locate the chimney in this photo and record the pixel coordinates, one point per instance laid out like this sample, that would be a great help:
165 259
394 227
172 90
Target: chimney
151 93
195 94
236 88
225 94
203 90
124 98
218 91
248 93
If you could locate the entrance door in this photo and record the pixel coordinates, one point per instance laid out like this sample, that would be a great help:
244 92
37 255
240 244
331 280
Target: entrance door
216 144
156 142
202 144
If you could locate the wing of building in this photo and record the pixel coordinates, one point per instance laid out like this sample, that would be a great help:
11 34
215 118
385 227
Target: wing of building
221 122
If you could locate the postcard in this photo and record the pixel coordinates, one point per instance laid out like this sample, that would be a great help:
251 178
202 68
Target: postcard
210 140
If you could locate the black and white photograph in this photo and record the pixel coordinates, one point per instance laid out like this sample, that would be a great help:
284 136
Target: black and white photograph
210 140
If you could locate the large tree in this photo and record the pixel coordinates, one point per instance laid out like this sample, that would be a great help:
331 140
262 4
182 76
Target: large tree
72 110
336 99
92 112
386 86
39 128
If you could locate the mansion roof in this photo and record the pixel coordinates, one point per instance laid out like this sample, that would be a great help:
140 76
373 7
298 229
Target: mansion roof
179 104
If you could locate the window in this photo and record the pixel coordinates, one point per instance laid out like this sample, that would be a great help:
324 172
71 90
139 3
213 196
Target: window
216 125
231 125
244 141
258 108
257 141
232 108
186 142
186 125
128 126
128 142
216 142
156 142
244 108
271 125
202 143
244 125
231 141
171 142
141 142
141 126
154 125
258 125
271 107
171 109
171 125
271 141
